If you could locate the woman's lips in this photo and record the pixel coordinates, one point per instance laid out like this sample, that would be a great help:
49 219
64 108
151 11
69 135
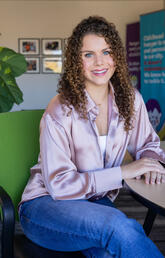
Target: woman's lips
100 72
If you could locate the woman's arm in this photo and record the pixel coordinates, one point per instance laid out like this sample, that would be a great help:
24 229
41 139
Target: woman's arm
144 146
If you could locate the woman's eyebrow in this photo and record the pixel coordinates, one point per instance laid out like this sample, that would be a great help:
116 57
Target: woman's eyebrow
107 48
104 49
83 51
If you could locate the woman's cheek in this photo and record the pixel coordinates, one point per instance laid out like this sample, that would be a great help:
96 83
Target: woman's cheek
111 61
86 64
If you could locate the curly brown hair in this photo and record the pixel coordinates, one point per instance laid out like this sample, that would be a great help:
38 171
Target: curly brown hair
72 82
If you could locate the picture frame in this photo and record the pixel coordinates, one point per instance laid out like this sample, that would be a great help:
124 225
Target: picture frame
33 65
51 46
65 43
52 65
29 46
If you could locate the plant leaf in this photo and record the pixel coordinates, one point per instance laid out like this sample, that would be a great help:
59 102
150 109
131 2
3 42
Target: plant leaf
12 65
16 61
5 104
6 100
8 81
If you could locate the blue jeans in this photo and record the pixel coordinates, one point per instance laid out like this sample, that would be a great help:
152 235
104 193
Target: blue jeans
95 227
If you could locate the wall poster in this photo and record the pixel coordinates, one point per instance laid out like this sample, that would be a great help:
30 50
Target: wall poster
152 44
133 52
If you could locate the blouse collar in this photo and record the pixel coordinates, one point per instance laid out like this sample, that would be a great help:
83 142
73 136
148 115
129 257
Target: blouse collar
93 109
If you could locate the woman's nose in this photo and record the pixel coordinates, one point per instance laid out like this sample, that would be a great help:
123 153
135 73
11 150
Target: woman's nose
98 59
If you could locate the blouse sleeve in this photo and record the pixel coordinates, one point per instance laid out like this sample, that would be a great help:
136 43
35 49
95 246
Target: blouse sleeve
60 175
144 142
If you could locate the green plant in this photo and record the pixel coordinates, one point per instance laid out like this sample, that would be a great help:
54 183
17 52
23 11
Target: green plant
12 64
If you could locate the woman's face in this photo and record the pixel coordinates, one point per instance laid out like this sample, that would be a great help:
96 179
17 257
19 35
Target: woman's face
98 63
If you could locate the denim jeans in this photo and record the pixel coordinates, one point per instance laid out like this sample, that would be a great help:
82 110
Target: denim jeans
95 227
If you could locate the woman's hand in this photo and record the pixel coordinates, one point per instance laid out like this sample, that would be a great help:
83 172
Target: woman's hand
153 178
151 169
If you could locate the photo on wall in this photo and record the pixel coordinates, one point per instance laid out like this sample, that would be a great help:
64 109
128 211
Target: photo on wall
52 64
51 46
29 46
33 65
65 43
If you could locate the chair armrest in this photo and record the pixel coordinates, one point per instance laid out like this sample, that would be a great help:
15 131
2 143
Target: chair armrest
8 224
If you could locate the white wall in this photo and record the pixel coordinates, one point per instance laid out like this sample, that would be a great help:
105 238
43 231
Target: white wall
42 19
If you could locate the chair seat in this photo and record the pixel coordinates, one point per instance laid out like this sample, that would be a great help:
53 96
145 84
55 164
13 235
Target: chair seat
24 248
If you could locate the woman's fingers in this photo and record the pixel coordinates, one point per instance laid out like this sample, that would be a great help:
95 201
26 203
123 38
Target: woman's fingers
163 178
154 178
158 178
147 177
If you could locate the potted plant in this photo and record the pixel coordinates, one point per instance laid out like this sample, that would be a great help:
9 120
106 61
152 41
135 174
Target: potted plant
12 64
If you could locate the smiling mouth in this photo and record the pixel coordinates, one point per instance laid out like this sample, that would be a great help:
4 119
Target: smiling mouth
100 72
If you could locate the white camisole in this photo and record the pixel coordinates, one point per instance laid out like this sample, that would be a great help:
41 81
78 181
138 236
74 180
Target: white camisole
102 142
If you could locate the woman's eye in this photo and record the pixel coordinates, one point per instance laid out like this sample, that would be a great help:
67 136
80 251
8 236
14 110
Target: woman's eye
88 54
106 53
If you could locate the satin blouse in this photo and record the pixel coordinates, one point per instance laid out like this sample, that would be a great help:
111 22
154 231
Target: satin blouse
71 164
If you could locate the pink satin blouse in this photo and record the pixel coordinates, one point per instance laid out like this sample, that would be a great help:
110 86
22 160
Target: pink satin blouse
71 165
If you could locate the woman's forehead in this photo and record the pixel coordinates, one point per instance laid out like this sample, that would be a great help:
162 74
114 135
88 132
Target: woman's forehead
93 41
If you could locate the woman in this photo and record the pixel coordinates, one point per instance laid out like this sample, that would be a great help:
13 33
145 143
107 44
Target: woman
85 131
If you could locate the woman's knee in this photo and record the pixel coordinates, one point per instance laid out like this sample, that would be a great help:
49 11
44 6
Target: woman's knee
128 230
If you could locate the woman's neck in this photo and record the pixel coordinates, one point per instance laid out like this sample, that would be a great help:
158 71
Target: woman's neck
98 94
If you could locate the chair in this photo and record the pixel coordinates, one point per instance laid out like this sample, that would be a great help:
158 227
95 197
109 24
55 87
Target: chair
19 148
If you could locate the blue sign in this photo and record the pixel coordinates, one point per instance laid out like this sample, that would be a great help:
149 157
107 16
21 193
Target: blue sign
152 44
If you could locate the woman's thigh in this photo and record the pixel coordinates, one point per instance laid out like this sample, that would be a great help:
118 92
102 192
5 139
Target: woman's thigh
68 225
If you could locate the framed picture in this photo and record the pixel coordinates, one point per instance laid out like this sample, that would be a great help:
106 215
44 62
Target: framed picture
33 64
51 46
29 46
65 42
52 64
